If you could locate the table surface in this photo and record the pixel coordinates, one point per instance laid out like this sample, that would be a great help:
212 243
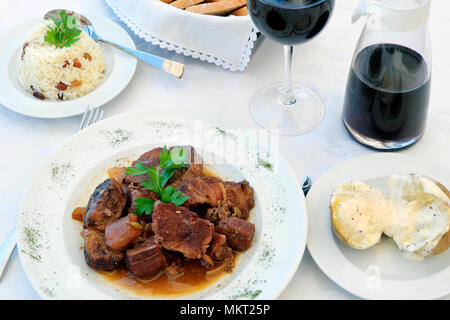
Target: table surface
27 142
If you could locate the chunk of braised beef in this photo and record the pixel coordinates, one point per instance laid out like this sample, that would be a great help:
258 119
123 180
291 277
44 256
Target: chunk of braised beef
217 199
146 260
122 233
219 250
214 214
105 205
97 254
209 191
218 253
181 230
148 159
239 232
240 198
134 192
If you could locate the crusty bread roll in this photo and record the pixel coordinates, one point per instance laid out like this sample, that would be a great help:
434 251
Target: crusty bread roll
183 4
223 7
358 214
240 12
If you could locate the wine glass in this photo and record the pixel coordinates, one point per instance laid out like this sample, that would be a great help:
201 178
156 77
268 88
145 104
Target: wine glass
289 108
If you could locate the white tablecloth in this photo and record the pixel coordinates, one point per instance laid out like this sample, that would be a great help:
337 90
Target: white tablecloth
26 142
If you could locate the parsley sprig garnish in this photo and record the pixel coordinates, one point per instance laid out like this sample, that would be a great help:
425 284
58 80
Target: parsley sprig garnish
158 178
65 32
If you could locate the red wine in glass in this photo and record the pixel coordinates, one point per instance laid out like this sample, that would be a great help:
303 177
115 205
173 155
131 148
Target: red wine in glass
293 21
287 108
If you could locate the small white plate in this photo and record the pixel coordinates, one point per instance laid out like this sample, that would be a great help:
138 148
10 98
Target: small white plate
120 68
49 239
378 272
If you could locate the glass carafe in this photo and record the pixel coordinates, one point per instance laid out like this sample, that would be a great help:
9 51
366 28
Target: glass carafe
388 87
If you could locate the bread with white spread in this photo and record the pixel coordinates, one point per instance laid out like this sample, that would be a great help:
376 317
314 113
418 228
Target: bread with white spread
358 214
420 225
416 215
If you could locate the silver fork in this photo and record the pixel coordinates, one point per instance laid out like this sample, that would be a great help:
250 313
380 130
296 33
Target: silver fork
6 250
90 116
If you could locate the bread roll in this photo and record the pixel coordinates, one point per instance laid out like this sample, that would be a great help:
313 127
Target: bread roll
217 8
240 12
183 4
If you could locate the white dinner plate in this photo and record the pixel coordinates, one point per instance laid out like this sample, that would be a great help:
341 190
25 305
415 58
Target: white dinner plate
49 239
120 68
378 272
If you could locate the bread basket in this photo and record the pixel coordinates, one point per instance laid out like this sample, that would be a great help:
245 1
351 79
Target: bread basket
224 41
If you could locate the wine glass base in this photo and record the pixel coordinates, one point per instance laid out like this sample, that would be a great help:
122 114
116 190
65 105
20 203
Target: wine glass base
297 118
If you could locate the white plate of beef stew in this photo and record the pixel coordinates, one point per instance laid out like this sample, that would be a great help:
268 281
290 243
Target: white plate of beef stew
56 255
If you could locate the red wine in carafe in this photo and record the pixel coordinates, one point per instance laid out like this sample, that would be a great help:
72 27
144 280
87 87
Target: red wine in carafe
387 94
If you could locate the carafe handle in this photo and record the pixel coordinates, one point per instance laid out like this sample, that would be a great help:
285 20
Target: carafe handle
394 18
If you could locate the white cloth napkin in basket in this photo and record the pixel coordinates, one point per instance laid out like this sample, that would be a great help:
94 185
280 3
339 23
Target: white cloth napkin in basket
224 41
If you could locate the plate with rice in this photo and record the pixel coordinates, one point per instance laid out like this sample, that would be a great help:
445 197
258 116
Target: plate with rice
47 81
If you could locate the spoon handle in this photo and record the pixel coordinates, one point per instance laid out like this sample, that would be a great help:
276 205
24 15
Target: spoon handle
6 249
172 67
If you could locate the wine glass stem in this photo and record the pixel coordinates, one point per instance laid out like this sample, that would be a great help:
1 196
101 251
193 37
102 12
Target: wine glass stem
288 95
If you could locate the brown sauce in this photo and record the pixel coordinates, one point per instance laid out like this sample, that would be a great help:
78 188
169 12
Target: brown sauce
116 173
209 173
195 278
